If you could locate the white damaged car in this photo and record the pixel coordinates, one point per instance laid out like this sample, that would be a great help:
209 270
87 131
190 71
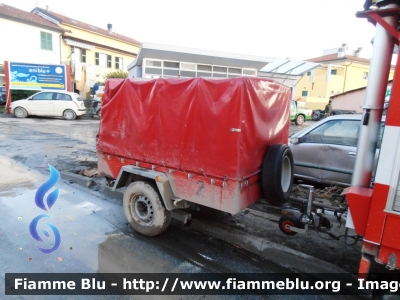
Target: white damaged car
50 104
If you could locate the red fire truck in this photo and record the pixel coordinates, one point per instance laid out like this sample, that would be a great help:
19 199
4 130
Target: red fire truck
375 209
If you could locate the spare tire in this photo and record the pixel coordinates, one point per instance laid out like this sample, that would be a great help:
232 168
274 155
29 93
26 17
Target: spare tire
277 174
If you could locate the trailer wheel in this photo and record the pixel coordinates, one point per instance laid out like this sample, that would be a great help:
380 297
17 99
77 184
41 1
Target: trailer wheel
288 220
144 209
277 174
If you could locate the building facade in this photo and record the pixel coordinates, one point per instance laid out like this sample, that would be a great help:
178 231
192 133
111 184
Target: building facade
355 99
155 60
91 51
27 38
341 70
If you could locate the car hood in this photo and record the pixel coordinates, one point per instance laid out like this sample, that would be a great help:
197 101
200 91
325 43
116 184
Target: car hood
21 101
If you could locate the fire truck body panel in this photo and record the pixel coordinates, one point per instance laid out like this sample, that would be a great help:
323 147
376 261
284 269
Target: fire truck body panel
376 211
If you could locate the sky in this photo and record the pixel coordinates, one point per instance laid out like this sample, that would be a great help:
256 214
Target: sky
282 29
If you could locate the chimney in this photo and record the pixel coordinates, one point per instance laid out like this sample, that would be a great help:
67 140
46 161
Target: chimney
109 28
357 52
47 8
341 52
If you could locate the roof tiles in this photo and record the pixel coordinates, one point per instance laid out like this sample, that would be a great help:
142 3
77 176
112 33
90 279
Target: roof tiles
73 22
15 13
334 56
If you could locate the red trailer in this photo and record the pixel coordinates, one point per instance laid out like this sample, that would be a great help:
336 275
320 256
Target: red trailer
375 211
169 142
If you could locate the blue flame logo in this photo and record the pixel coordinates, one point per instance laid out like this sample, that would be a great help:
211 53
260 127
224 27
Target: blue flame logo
50 200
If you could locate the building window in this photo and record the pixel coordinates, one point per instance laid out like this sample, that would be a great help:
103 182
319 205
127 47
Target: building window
204 71
188 66
118 63
46 41
249 72
334 72
365 75
188 73
304 93
169 72
203 74
171 64
100 59
109 61
235 71
308 73
153 63
205 68
83 55
220 69
153 68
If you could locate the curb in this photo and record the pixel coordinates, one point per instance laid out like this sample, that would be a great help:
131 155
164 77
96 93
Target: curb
79 179
279 254
88 182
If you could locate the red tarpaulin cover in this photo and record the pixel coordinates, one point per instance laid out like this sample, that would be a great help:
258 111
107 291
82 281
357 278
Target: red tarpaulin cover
217 127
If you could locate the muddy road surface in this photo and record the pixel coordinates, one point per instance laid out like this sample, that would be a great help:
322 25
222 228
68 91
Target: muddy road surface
95 235
97 238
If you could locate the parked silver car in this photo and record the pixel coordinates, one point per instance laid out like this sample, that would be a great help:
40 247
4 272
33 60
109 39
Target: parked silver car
325 151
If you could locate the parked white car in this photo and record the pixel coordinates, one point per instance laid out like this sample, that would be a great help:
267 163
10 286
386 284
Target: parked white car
50 104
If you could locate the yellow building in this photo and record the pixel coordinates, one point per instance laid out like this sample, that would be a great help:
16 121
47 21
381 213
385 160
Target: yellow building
91 51
341 70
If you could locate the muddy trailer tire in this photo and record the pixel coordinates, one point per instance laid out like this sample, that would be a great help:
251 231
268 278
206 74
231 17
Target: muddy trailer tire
277 174
144 209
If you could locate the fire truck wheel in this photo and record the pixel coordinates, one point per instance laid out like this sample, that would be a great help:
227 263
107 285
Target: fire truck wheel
288 220
144 209
277 174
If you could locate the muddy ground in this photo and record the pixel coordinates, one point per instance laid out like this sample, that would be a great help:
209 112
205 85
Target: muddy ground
70 146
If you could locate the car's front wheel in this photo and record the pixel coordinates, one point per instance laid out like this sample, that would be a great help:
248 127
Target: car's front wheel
69 114
20 112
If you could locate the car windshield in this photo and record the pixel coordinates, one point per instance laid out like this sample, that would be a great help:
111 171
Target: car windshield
339 132
2 89
78 97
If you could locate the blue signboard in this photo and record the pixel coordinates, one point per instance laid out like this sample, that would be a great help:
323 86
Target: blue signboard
37 77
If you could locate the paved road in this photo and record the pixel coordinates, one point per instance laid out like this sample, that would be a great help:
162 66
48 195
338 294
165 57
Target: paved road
95 237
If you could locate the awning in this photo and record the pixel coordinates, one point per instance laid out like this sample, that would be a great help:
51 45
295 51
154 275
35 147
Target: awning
289 67
79 44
